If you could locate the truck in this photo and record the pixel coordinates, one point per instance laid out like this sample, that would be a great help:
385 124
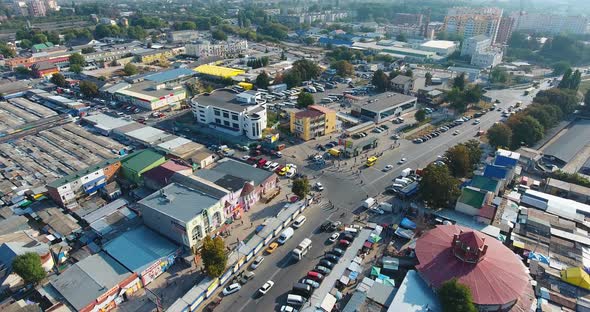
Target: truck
406 172
369 202
302 249
387 207
277 88
285 235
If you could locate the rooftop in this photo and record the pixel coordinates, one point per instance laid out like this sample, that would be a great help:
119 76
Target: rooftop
322 109
141 159
148 134
565 208
569 187
308 114
139 248
386 100
484 183
179 202
472 197
168 75
222 98
147 90
570 143
439 44
401 79
498 277
228 167
219 71
413 295
105 122
78 174
85 281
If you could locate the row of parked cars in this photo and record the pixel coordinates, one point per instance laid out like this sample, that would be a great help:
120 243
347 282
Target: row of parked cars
443 129
303 290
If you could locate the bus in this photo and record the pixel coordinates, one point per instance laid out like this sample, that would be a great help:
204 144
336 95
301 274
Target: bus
302 249
371 161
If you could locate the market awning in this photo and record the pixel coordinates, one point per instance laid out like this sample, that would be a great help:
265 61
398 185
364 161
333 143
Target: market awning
375 271
328 303
354 267
374 238
344 280
368 244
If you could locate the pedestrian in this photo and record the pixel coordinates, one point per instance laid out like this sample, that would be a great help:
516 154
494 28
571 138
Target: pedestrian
251 224
242 222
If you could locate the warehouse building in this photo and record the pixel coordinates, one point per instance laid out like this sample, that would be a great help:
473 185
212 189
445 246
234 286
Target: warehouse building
151 95
385 106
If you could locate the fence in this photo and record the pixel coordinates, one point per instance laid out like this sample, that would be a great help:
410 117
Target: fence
198 294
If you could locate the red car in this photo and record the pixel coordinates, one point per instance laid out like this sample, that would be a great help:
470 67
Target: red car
315 275
261 162
279 168
252 160
344 243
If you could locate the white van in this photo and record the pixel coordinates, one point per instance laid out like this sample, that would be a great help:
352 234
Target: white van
294 299
285 235
299 222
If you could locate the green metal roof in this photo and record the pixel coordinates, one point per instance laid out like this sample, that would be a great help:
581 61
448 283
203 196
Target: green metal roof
484 183
78 174
472 197
141 159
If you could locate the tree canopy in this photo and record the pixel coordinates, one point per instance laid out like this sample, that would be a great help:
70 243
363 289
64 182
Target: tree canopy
500 135
77 58
459 82
59 80
130 69
213 255
28 267
262 80
302 70
455 297
343 68
458 161
570 80
218 34
428 79
88 88
304 99
301 187
526 130
438 187
380 80
420 115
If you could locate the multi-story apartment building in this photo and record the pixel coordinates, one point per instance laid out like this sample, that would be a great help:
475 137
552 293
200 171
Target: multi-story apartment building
231 113
315 121
35 8
551 23
206 48
469 22
487 58
505 30
182 36
407 19
474 44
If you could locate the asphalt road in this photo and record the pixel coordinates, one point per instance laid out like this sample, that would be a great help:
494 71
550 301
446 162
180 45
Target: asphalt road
344 189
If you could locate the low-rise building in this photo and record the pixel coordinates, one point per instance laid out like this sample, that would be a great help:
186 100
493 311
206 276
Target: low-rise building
568 190
182 214
135 165
182 36
315 121
231 113
402 84
440 47
472 200
44 69
204 48
487 58
152 56
152 95
474 44
66 190
384 107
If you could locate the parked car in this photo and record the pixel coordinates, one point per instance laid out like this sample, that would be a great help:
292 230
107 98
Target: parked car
233 288
287 308
325 226
318 186
310 282
332 258
387 168
272 247
322 269
334 237
256 263
327 263
246 277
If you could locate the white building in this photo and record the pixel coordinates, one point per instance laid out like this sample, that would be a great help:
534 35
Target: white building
475 44
205 48
489 57
152 95
440 47
551 23
232 113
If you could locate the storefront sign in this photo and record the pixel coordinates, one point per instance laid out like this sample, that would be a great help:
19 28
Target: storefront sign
152 272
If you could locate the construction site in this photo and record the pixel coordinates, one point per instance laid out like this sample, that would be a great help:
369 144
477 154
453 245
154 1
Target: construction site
36 159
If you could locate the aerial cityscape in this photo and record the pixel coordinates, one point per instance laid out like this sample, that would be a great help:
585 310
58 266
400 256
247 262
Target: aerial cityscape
286 155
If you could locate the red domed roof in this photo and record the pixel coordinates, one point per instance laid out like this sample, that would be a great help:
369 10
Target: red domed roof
493 272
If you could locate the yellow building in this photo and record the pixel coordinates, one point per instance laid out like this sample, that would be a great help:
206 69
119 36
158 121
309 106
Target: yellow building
314 122
150 57
218 71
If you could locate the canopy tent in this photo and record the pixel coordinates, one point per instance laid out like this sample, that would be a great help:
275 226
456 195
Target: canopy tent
368 244
353 275
328 303
409 234
358 260
408 224
344 280
374 238
355 267
375 271
539 257
577 277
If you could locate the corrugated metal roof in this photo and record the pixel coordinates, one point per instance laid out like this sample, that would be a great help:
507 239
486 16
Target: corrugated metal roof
570 143
141 159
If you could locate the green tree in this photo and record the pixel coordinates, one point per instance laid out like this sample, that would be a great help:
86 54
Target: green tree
420 115
559 68
53 37
88 88
28 267
401 37
187 25
26 44
301 187
586 106
6 51
474 150
59 80
459 82
39 38
380 80
458 161
525 130
457 100
76 68
473 94
136 32
500 135
498 75
22 71
566 99
304 99
428 79
88 50
455 297
130 69
566 79
77 58
343 68
409 73
438 187
214 256
218 34
262 80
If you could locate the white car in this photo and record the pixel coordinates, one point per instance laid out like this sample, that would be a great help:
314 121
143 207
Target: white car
456 132
245 157
334 237
387 168
273 166
235 287
377 210
318 157
292 166
401 161
266 287
318 186
287 308
256 263
291 173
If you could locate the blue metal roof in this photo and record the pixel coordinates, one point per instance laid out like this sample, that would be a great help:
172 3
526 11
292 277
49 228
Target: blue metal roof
505 161
336 42
498 172
170 75
139 248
